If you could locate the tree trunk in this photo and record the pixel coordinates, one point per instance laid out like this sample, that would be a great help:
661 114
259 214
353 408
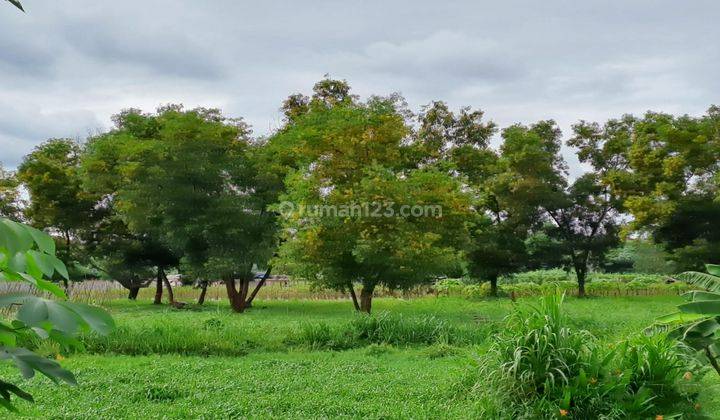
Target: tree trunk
581 274
203 292
236 302
158 288
66 286
171 296
67 246
493 286
244 290
366 295
133 294
354 297
258 286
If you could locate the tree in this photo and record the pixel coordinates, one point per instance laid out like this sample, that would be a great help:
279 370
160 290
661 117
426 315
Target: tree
350 179
459 143
57 199
28 255
580 217
9 195
585 224
188 183
130 256
665 170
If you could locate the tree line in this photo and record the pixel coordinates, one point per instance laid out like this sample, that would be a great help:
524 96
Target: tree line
194 191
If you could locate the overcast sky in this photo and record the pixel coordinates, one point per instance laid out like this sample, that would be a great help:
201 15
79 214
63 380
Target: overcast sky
67 65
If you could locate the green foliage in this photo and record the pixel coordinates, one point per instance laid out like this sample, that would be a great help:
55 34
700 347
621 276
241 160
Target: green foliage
639 256
664 168
57 198
9 195
539 367
697 322
181 358
539 276
180 188
347 153
384 328
539 352
28 255
579 219
541 282
658 364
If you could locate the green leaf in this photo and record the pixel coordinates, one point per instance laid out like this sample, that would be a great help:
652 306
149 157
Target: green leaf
701 295
51 287
704 280
18 263
713 269
704 328
18 239
13 299
708 307
42 262
97 319
59 266
34 312
6 389
678 317
29 362
32 268
44 241
17 4
8 335
63 316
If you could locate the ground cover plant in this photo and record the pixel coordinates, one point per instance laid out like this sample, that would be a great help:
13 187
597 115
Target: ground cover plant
310 358
541 367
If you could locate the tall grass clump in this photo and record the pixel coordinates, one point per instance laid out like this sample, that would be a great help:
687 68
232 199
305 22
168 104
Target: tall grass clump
166 337
539 367
385 328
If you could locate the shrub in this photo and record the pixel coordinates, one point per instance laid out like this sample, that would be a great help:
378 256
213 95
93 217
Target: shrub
540 368
476 291
449 287
539 276
658 364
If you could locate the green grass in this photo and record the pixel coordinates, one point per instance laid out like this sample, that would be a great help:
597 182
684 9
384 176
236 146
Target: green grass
210 363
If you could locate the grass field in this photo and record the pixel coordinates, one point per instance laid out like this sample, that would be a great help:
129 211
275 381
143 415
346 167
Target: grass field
302 359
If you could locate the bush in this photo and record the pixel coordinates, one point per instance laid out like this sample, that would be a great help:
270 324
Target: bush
540 368
449 287
658 364
539 276
541 282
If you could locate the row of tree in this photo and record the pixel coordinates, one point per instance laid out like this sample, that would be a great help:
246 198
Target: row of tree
194 191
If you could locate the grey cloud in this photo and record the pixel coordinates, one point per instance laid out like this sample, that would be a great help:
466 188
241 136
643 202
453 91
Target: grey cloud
165 54
68 65
23 129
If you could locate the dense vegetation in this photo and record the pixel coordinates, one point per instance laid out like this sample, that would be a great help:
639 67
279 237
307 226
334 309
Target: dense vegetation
175 363
352 193
360 198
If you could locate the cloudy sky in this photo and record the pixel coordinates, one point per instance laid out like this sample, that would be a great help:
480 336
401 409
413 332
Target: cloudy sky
67 65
